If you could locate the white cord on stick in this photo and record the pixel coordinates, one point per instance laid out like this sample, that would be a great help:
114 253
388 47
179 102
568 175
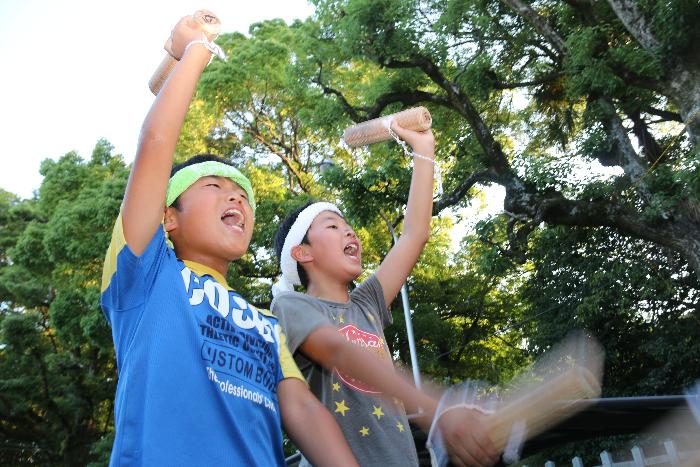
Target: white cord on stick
210 45
408 152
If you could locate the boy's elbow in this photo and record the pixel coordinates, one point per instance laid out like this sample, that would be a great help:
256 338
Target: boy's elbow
424 236
335 355
296 401
326 347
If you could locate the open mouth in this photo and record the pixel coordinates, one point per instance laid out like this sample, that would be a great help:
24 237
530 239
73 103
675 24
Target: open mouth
352 250
233 218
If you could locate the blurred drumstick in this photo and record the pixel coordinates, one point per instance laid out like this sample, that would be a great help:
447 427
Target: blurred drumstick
210 25
561 383
543 407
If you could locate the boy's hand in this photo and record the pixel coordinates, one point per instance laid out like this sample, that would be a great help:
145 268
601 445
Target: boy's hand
466 439
422 142
184 32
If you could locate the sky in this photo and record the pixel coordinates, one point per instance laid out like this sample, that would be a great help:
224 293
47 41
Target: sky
76 71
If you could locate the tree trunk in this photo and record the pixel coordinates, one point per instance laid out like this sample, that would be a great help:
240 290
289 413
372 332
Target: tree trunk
684 83
683 77
538 22
686 238
690 249
680 234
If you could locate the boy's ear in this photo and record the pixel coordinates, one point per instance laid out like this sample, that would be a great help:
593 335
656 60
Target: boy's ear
301 254
170 219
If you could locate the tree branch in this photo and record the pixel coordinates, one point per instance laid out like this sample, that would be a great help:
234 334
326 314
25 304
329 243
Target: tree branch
406 98
628 159
344 102
646 140
636 24
557 210
665 115
360 113
462 104
635 79
682 74
255 133
549 77
456 195
540 24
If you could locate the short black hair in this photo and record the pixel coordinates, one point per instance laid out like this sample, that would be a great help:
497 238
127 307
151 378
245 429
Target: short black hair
206 157
281 235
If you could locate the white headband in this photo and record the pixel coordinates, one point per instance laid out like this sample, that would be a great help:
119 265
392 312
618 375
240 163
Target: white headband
288 265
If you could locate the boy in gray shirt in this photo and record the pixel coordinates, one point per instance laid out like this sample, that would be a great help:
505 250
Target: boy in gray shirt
376 428
337 336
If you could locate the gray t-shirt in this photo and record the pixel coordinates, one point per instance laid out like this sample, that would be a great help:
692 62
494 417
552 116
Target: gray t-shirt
376 428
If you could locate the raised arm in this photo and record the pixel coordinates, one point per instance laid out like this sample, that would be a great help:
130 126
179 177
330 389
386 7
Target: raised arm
311 426
399 262
144 200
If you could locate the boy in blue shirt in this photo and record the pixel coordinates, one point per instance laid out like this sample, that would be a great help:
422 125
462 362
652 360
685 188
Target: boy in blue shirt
205 378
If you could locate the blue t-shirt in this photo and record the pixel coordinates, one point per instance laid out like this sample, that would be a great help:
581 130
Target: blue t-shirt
198 365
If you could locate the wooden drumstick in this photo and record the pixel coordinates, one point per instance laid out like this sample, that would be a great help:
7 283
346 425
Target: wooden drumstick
376 130
544 406
209 24
563 381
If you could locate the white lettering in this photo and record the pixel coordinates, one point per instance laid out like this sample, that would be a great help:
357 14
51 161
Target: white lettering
220 300
214 290
239 391
237 315
186 274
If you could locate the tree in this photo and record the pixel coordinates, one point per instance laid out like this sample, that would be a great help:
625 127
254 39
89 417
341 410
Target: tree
640 302
57 369
273 117
602 82
585 112
465 314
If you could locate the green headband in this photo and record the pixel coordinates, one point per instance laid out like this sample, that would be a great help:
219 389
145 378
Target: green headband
185 177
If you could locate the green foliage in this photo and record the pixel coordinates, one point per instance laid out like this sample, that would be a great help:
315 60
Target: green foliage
675 24
57 369
463 314
482 310
14 216
595 67
640 303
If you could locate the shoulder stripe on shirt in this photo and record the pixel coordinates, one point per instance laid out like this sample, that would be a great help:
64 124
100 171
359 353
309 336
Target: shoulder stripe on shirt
116 245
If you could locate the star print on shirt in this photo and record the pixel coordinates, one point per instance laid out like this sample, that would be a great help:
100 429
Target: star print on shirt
341 320
336 387
341 408
364 431
399 425
378 412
